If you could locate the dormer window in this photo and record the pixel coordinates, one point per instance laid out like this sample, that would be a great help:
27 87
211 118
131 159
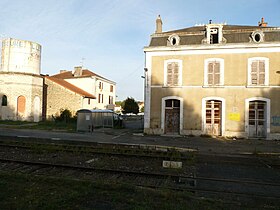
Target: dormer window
258 36
173 40
214 34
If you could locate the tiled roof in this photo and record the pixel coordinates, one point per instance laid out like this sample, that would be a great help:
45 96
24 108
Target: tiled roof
71 87
85 73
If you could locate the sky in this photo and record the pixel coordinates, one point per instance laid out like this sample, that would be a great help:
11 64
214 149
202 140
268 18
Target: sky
108 36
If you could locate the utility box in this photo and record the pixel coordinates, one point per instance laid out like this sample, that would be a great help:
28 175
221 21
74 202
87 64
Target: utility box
88 120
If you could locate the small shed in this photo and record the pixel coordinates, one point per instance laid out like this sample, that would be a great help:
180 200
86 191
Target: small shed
88 120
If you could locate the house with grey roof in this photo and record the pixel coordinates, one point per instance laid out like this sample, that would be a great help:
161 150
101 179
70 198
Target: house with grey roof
213 79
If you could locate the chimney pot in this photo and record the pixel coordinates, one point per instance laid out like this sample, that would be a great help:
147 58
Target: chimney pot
262 23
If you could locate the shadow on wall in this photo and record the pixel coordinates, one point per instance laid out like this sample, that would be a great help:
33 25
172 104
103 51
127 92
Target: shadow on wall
273 120
173 110
262 112
9 112
196 111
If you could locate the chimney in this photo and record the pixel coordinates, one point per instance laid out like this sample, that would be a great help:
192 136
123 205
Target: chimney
62 71
158 25
262 23
78 71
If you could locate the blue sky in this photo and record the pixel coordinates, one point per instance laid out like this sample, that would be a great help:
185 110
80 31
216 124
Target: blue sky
110 34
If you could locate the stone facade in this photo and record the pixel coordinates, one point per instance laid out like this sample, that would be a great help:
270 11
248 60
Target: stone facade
59 98
103 89
13 85
186 95
25 94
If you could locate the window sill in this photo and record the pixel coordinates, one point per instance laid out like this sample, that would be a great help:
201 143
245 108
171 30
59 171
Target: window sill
213 86
177 86
257 86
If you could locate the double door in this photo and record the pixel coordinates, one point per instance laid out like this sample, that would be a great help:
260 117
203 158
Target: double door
257 119
213 117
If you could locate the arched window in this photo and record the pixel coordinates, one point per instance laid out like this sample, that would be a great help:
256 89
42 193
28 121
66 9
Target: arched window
4 100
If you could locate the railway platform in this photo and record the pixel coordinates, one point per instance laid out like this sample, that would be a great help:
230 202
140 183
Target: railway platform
206 145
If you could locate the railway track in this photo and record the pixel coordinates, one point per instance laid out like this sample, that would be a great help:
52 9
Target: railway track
157 152
204 186
142 151
196 185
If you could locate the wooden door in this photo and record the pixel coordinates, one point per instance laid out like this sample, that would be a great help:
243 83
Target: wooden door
257 119
213 118
172 116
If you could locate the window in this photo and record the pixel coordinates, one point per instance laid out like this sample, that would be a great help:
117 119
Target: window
214 34
258 71
4 100
99 98
257 36
88 100
110 99
173 40
173 73
214 72
111 88
100 85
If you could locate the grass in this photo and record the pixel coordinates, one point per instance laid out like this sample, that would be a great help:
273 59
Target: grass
43 125
52 125
19 191
11 122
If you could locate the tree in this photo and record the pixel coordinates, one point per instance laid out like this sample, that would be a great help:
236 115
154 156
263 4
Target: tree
142 109
129 105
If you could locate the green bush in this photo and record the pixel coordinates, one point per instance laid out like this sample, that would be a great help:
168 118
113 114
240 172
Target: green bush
66 116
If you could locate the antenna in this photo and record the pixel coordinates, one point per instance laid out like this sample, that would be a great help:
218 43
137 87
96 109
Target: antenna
82 62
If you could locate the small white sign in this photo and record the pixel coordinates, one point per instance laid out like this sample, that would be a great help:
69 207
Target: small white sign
87 117
171 164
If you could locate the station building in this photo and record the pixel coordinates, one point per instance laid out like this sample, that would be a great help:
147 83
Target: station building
214 79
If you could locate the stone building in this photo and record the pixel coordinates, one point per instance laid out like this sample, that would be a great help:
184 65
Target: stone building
214 79
60 94
21 85
103 89
26 94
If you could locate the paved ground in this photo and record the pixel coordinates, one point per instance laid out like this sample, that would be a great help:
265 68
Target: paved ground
126 136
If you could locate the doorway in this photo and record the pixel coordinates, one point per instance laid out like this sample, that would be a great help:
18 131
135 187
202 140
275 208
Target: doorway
172 116
257 119
213 117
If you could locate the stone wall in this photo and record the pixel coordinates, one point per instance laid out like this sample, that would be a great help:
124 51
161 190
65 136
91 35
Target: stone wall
29 86
59 98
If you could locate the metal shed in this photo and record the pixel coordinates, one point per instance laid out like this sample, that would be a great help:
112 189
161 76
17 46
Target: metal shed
87 119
